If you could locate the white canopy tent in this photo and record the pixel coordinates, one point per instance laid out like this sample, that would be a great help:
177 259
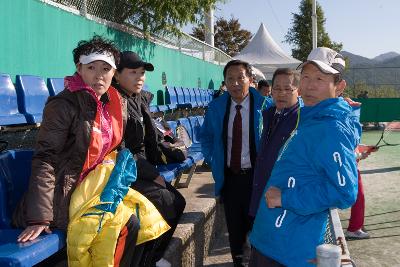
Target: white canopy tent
265 54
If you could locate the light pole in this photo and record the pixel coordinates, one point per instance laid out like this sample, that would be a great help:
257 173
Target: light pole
314 24
209 34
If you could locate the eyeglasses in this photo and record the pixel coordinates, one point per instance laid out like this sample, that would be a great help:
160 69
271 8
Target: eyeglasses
284 91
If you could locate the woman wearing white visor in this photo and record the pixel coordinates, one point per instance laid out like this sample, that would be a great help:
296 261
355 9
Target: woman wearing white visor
81 126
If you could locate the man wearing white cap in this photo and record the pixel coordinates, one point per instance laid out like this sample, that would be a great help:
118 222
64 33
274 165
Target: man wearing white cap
315 170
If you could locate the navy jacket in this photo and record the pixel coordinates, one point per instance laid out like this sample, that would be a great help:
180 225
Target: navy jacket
272 139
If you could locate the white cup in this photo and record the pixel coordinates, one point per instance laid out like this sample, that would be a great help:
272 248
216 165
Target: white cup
328 255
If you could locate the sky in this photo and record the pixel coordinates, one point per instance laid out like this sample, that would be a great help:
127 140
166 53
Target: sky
365 27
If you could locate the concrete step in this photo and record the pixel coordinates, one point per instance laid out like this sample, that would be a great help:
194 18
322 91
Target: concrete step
199 225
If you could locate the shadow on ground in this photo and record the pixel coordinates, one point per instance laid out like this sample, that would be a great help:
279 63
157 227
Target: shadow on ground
381 170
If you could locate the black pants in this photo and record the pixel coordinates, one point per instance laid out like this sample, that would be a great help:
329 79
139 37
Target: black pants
170 203
259 260
130 255
236 195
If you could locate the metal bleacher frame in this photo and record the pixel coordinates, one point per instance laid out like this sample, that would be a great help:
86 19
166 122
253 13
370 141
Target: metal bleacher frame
334 235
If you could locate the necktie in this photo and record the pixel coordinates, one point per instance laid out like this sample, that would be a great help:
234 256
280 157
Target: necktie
236 150
274 123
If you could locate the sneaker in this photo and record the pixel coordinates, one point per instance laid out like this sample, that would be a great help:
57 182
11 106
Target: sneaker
163 263
359 234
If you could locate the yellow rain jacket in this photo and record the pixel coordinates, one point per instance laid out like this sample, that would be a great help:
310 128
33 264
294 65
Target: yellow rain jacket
100 207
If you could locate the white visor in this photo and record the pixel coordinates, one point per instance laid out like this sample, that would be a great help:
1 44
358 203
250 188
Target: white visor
106 57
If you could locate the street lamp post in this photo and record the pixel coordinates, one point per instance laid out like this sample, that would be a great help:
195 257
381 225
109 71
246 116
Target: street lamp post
314 24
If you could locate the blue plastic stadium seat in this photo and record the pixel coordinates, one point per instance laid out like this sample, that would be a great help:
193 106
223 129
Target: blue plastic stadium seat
172 170
170 97
193 98
29 253
210 95
153 109
199 98
32 96
15 168
200 119
55 85
194 122
185 123
188 97
182 101
177 168
9 114
195 149
167 174
204 97
179 95
162 108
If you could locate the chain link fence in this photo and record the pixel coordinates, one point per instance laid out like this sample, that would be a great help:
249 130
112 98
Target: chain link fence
373 82
118 12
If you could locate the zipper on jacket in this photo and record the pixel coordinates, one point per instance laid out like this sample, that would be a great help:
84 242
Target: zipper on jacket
137 213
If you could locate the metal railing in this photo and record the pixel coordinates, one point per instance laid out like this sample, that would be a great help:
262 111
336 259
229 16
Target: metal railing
334 235
113 11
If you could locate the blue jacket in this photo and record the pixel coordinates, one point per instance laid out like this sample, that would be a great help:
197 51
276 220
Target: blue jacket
212 145
315 170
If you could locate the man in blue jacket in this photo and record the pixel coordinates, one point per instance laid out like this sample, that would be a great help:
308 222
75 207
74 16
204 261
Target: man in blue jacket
315 170
229 139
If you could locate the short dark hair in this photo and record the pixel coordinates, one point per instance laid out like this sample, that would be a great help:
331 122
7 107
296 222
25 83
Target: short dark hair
337 78
262 83
96 44
290 72
237 62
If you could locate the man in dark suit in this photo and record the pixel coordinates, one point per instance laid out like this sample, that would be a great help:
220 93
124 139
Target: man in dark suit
229 138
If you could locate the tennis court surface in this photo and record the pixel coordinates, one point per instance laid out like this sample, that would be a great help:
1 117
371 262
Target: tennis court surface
381 178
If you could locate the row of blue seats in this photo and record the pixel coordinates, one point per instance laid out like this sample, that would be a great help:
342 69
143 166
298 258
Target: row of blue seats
24 102
15 169
183 98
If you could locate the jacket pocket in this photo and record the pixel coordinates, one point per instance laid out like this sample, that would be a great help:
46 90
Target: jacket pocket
281 217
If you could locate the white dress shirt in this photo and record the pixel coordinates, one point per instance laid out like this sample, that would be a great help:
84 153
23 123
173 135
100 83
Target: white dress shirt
245 112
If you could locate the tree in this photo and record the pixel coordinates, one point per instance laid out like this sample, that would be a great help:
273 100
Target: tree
228 35
150 16
362 88
300 35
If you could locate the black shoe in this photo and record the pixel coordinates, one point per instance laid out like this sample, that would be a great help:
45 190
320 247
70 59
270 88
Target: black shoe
238 261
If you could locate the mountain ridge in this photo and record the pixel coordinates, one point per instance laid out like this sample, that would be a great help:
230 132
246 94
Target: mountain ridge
389 59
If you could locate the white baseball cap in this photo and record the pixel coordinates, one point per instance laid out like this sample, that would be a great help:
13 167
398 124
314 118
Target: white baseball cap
327 60
105 56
